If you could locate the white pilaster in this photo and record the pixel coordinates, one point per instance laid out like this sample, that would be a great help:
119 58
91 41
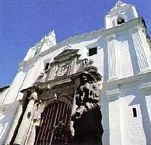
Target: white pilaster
112 58
139 49
114 117
14 124
25 124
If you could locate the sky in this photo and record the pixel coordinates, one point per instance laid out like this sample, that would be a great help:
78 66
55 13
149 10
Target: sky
24 22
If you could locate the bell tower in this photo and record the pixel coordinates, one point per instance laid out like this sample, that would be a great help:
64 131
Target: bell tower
120 14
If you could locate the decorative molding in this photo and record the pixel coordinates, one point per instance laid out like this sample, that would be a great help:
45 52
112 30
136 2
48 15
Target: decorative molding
144 71
134 30
111 37
112 79
145 86
66 55
92 45
128 80
114 92
127 26
61 66
119 8
51 83
141 56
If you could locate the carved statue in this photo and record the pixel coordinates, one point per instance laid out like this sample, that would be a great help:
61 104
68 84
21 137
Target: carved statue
86 125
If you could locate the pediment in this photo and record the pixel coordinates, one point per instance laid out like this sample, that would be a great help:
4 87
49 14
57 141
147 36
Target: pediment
66 54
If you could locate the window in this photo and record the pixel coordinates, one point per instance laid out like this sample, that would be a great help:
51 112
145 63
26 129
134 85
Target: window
46 66
134 112
92 51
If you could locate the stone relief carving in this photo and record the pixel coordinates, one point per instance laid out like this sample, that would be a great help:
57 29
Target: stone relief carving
62 65
83 86
42 74
119 8
38 107
86 125
62 70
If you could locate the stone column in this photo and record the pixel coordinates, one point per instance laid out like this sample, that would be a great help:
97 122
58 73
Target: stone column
35 121
26 121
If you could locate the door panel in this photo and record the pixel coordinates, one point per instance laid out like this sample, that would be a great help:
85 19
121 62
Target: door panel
54 125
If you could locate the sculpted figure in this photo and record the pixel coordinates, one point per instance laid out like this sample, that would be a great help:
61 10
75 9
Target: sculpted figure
86 125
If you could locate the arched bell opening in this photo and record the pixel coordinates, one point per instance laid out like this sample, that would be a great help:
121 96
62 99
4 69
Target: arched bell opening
120 20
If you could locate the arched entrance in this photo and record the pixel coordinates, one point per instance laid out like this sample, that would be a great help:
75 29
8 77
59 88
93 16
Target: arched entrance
54 124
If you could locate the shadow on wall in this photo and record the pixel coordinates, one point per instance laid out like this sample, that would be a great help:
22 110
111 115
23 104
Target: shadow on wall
105 102
140 100
131 124
105 119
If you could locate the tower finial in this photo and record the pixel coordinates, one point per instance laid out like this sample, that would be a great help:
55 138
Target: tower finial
119 2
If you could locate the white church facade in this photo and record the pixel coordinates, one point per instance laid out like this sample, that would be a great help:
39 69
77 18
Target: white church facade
93 88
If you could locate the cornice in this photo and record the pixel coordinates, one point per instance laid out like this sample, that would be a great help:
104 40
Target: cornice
128 80
128 26
75 39
66 55
145 86
113 92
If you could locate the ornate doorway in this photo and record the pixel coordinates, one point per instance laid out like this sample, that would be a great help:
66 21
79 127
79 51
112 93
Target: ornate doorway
67 102
54 125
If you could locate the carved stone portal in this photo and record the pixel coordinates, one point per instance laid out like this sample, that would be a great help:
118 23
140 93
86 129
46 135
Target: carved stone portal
68 109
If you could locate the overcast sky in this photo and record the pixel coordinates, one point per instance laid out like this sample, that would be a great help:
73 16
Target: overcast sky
25 22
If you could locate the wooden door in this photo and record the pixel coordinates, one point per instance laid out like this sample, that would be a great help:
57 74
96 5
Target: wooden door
54 125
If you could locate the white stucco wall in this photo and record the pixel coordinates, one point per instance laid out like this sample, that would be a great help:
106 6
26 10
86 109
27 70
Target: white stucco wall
123 59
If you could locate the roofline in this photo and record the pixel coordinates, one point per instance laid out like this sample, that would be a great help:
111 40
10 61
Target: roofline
88 36
3 88
93 35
